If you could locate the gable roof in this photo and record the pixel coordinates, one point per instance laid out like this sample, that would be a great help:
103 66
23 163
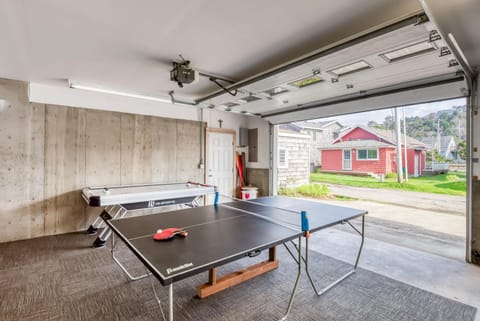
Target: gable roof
389 135
290 127
433 141
319 125
386 135
367 143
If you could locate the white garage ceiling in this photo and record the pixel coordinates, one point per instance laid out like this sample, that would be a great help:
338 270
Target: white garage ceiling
127 46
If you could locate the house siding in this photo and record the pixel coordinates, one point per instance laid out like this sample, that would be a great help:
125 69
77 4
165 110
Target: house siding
360 134
370 166
332 160
323 137
297 171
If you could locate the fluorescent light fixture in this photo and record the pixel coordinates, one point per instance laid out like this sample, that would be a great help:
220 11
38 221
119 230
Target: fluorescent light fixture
275 91
248 99
119 93
409 51
350 68
307 81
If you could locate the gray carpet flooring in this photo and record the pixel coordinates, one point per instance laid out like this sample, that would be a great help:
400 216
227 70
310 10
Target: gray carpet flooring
62 278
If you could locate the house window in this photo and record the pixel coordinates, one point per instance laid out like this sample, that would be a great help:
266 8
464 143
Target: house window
282 158
367 154
314 135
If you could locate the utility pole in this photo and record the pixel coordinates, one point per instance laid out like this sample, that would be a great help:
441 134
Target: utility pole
405 143
399 147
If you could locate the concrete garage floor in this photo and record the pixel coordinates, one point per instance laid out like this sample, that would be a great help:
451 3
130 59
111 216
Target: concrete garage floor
417 241
448 277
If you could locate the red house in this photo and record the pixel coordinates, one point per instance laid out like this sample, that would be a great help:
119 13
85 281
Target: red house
371 150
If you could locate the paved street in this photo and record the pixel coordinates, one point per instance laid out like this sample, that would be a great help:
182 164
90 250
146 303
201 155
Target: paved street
434 202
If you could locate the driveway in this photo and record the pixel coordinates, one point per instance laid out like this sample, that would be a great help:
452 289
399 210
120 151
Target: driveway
448 204
427 222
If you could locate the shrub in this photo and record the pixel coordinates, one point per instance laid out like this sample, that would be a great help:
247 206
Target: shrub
391 175
286 191
452 178
313 190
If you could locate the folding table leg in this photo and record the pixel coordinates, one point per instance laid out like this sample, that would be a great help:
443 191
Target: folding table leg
170 297
299 272
170 302
124 269
346 275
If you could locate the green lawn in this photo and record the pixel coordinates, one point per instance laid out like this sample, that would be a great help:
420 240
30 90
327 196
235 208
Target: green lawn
453 183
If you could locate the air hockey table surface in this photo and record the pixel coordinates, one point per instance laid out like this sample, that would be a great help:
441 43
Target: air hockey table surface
128 194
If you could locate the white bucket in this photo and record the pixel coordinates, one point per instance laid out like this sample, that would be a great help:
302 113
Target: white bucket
249 193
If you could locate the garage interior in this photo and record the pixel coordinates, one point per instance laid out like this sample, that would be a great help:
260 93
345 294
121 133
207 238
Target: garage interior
87 98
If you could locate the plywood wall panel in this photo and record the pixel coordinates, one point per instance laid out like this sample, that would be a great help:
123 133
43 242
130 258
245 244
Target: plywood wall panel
35 169
127 149
64 169
188 151
49 153
102 148
164 150
21 156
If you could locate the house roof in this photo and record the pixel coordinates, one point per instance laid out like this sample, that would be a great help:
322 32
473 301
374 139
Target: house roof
386 135
290 127
367 143
433 141
389 135
320 125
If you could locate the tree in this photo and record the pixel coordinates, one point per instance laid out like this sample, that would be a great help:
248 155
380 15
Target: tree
437 158
462 149
374 124
388 123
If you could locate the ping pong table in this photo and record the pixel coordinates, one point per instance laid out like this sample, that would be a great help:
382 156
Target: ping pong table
118 200
222 233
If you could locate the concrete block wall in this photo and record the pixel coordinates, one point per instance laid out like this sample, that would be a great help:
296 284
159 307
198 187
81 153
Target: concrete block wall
49 153
259 177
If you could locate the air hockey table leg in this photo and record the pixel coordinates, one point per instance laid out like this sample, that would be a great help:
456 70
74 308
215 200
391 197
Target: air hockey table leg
93 228
107 232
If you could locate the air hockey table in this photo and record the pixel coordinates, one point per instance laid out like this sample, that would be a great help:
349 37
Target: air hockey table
116 201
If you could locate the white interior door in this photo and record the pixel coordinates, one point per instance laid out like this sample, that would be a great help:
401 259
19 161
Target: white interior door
220 168
347 159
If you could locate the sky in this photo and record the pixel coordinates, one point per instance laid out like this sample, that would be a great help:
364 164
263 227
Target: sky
410 111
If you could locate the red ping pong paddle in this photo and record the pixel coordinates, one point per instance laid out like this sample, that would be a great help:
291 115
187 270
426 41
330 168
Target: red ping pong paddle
169 233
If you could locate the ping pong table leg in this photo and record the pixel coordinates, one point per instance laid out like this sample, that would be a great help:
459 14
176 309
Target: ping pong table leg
124 269
346 275
170 302
299 272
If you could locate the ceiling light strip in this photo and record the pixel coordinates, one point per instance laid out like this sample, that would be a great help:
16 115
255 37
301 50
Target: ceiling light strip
118 93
